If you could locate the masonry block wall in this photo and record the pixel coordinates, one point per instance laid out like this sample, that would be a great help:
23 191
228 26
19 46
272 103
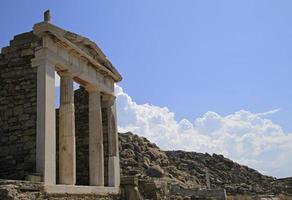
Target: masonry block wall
82 134
105 143
18 101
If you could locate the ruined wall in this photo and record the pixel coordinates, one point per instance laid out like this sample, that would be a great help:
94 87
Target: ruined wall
18 101
105 143
82 133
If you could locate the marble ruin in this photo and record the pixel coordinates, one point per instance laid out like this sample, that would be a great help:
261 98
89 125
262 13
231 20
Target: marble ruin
36 146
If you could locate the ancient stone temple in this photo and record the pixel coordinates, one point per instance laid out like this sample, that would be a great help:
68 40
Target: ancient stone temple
67 152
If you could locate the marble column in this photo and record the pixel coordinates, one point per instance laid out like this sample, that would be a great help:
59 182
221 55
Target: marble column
67 152
113 160
96 156
46 132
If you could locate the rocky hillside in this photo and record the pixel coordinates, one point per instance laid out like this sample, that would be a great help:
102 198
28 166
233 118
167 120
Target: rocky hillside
140 157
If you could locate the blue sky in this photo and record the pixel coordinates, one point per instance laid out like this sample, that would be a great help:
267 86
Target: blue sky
189 56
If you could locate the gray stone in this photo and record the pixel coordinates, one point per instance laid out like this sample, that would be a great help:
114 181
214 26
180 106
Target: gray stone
155 171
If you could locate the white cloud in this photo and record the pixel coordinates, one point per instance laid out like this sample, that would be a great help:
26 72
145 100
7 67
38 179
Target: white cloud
246 137
269 112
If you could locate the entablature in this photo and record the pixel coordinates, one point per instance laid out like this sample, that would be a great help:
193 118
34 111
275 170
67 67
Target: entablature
62 38
83 72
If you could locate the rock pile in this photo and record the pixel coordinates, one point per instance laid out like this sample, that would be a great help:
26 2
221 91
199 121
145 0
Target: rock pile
143 159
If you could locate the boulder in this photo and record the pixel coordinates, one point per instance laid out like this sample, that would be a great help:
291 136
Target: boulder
155 171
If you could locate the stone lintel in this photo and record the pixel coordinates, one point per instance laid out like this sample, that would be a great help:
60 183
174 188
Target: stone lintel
77 69
92 88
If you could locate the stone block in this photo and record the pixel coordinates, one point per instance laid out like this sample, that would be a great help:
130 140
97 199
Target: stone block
129 180
27 52
34 178
114 171
5 50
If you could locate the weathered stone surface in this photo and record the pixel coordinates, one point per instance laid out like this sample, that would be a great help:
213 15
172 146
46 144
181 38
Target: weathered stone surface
187 169
130 191
219 194
67 152
18 91
155 171
26 190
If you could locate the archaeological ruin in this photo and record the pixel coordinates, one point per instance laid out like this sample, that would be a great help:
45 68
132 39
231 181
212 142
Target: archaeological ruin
72 149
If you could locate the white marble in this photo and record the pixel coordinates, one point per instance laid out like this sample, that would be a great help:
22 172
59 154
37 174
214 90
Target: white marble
46 130
67 151
96 155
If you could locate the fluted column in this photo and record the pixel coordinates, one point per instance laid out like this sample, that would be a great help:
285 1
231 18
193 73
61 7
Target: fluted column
96 156
67 152
113 161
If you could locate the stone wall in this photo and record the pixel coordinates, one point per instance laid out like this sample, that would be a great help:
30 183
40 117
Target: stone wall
82 132
105 143
18 99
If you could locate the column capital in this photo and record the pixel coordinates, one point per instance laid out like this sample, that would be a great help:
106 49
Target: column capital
91 88
65 74
109 98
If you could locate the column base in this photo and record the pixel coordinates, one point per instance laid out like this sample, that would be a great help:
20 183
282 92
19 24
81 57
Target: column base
70 189
114 171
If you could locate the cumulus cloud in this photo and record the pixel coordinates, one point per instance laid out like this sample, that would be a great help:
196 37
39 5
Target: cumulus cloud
248 138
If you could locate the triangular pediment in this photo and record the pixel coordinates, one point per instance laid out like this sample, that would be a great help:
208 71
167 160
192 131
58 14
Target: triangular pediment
83 44
90 48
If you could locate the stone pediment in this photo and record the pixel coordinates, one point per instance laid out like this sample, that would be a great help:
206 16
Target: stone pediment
80 45
91 49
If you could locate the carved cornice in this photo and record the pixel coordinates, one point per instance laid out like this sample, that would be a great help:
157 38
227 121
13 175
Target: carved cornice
79 46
